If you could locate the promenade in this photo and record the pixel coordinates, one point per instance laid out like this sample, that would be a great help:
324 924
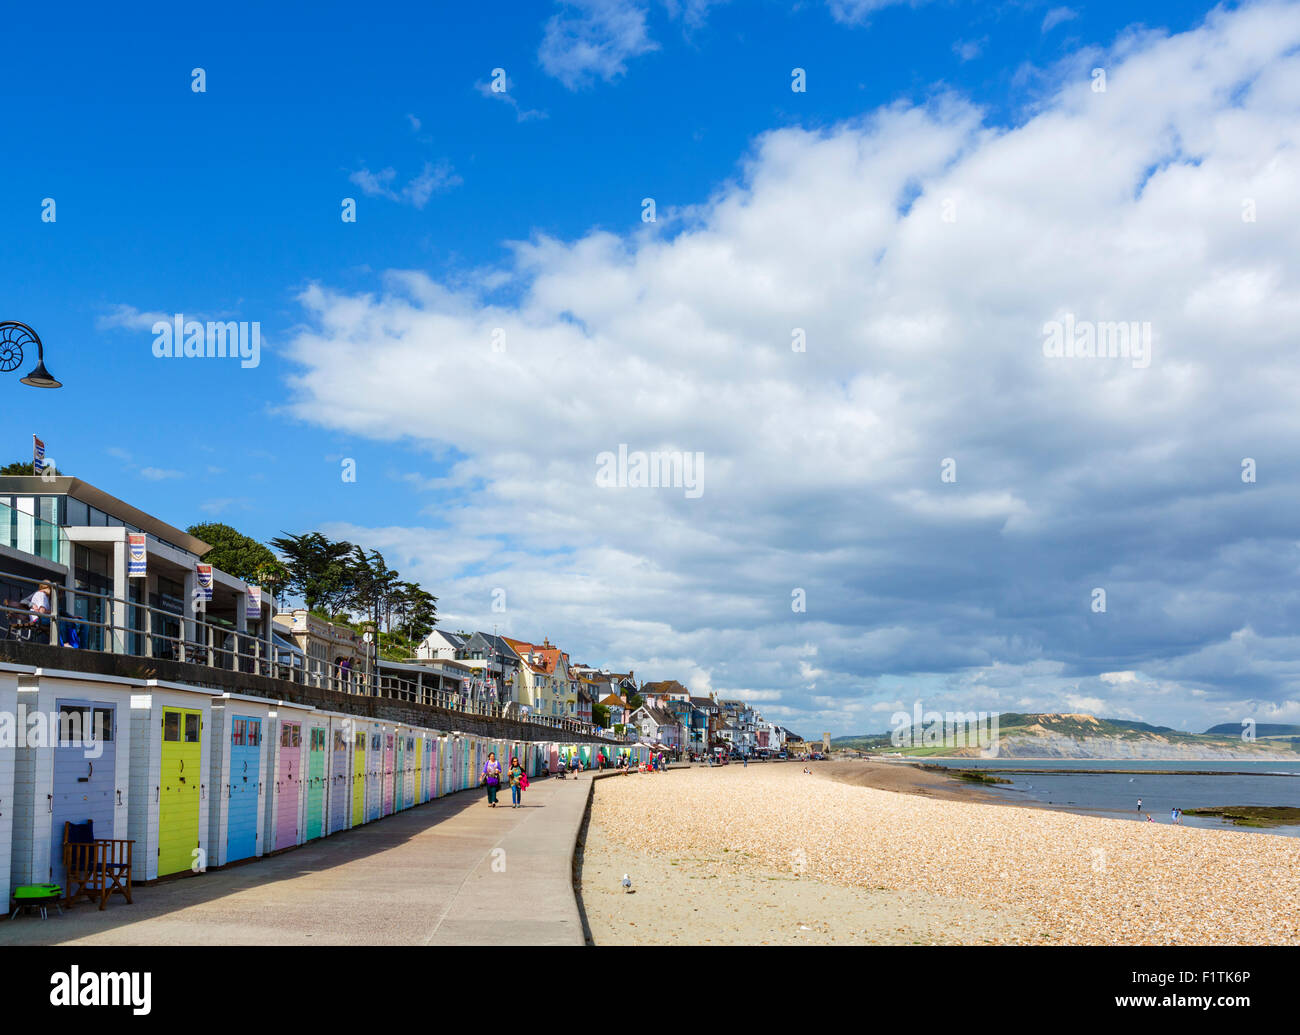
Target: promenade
450 872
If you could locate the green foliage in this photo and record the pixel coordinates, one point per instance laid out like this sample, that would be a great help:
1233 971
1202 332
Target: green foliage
339 576
235 553
320 569
17 467
600 714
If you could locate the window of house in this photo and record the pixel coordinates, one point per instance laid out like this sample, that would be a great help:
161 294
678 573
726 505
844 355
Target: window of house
191 729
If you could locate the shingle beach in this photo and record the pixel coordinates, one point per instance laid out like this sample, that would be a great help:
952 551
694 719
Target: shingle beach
755 854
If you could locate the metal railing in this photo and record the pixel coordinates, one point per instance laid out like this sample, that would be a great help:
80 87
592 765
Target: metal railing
101 622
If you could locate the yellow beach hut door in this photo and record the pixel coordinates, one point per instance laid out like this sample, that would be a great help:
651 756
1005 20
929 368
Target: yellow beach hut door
178 792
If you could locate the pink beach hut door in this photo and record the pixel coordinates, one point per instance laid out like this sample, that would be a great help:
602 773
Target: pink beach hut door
287 781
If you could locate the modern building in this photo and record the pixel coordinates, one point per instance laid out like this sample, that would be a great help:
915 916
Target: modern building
77 537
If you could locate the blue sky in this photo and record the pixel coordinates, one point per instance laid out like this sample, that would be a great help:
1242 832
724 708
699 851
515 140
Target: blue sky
475 469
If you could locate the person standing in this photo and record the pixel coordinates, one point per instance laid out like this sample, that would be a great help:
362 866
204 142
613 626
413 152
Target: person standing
1139 804
492 777
516 782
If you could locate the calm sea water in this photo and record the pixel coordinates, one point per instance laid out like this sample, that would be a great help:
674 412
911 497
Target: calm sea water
1116 793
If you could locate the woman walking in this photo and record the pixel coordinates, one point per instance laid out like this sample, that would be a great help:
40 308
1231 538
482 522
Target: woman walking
516 782
492 777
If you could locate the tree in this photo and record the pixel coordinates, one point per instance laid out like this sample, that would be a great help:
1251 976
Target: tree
17 467
418 609
234 553
320 570
600 714
374 586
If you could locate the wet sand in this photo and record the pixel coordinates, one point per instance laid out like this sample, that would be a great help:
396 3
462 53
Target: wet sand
770 855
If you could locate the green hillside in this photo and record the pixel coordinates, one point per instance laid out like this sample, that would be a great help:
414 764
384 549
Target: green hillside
1074 726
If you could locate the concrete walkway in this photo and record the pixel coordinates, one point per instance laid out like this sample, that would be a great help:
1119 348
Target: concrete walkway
451 872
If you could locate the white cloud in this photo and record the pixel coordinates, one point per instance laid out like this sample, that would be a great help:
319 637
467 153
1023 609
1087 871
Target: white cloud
593 39
924 342
157 474
522 114
969 50
130 318
416 192
857 12
1056 16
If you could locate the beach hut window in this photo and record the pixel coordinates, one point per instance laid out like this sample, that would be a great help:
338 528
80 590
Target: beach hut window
284 736
191 728
338 740
104 724
361 742
237 733
254 732
73 724
172 726
297 736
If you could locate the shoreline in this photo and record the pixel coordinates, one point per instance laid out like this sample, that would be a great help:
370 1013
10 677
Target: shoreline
769 856
960 789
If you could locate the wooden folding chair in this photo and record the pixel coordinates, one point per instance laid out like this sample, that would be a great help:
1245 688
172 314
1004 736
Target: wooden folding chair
96 867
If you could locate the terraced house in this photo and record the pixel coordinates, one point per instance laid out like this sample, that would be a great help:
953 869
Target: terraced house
542 682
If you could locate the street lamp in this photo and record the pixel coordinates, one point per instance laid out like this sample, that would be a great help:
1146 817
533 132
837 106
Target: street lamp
13 336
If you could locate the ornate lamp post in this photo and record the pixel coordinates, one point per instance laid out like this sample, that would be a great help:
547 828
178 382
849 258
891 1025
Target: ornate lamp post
13 337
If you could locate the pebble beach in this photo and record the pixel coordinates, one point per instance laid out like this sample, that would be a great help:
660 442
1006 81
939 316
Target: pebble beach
770 854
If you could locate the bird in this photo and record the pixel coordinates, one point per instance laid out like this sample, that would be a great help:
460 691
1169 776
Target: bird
627 884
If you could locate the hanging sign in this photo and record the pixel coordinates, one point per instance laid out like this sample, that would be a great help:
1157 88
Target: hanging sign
136 555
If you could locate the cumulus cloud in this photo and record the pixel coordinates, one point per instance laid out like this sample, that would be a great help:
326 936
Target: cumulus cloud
918 252
586 40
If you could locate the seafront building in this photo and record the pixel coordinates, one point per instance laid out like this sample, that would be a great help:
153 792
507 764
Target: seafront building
127 582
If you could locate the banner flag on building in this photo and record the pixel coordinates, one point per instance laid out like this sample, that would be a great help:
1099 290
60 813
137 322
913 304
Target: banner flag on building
38 455
204 572
136 555
464 686
253 609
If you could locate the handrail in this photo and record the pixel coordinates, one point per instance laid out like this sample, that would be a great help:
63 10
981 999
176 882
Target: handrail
221 645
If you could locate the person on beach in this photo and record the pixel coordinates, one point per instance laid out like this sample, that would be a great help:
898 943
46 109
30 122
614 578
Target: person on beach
1139 804
1149 819
492 777
517 779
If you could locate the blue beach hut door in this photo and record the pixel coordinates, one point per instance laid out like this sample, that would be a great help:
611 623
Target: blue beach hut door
244 788
84 773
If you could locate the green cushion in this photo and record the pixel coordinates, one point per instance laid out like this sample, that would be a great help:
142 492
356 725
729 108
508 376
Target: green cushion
37 891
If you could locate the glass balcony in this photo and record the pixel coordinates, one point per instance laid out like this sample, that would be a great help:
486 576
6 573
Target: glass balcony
23 530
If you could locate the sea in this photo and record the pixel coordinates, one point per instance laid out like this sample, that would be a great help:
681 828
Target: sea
1099 787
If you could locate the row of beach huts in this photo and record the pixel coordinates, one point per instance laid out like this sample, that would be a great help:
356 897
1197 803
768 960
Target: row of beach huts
199 779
